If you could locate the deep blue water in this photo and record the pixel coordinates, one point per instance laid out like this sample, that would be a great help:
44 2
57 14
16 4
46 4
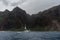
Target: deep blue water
29 35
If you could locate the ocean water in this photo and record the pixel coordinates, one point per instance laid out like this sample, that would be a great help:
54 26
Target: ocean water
6 35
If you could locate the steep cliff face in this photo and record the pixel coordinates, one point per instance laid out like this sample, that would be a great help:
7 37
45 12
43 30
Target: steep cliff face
48 20
3 18
14 19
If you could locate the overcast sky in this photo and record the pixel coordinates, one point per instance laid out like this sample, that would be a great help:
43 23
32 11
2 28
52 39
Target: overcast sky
30 6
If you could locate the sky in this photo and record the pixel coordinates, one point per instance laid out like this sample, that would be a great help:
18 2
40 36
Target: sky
30 6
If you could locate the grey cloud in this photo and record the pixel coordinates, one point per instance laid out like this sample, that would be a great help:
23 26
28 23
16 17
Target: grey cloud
31 6
34 6
5 2
18 3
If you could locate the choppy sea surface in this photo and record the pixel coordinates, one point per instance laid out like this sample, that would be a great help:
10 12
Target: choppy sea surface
6 35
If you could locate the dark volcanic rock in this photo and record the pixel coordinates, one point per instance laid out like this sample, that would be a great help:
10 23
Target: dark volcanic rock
48 20
14 19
